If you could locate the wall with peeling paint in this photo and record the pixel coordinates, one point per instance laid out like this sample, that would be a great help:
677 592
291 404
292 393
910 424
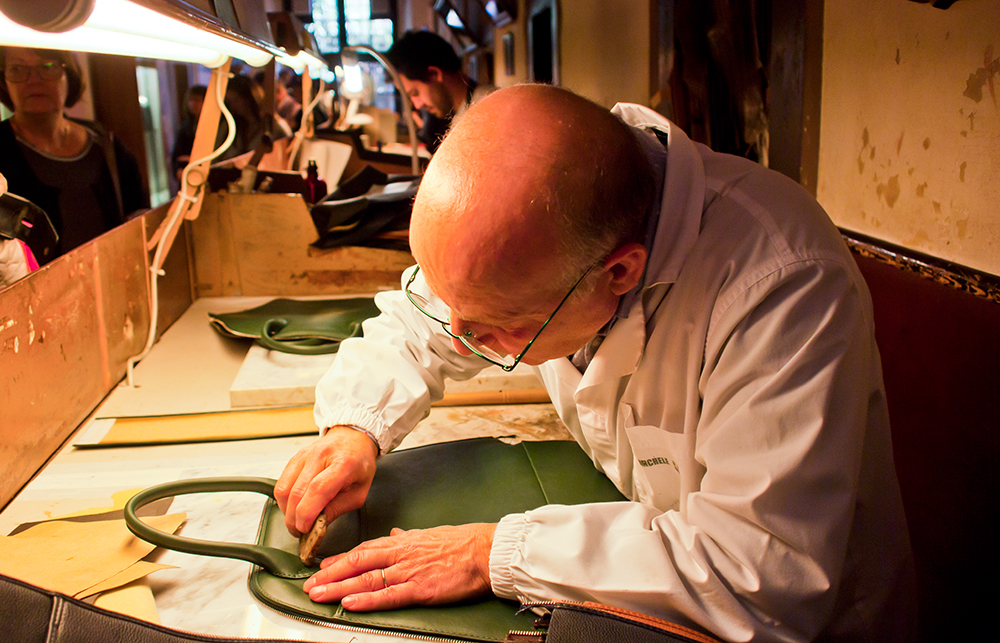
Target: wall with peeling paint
910 125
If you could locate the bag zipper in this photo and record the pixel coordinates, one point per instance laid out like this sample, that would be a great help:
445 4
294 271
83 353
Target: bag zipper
356 629
359 629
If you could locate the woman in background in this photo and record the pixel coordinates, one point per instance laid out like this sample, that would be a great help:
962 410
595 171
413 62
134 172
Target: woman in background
77 172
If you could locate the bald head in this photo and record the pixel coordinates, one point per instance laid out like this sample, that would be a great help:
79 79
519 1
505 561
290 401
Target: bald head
532 180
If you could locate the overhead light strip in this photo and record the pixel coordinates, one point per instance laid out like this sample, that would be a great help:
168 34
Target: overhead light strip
89 40
122 16
126 28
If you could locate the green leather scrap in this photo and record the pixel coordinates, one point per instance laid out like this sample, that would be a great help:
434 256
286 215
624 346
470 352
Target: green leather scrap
302 327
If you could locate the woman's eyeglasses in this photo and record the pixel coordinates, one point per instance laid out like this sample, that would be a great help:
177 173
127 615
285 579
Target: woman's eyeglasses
49 70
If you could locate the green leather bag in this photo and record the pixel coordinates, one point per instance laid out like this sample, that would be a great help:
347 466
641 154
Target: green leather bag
477 480
300 327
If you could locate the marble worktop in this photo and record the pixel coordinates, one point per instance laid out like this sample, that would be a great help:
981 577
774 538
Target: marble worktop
210 595
202 594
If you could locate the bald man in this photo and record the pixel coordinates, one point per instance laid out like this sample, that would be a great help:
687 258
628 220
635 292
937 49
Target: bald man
704 335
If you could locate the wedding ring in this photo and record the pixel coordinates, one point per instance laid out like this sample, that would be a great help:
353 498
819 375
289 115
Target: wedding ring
384 583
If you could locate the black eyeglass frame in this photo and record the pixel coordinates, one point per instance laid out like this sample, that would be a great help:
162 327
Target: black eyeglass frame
465 337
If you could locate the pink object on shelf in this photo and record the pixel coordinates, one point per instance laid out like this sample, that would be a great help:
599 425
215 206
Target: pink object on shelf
29 256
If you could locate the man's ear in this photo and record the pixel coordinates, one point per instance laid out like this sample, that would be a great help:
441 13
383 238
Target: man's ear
434 75
626 265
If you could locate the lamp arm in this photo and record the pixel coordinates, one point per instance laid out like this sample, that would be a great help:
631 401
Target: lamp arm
187 203
306 111
407 107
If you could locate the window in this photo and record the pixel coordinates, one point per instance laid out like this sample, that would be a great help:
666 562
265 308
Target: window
148 80
359 25
326 25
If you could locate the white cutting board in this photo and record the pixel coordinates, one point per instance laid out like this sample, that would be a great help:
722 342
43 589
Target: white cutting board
272 378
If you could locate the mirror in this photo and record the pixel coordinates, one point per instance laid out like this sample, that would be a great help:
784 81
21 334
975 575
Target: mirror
87 137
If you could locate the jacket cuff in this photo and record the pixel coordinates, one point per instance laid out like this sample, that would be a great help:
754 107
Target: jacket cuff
360 420
507 539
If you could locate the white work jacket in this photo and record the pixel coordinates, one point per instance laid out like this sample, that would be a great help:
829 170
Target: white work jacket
739 405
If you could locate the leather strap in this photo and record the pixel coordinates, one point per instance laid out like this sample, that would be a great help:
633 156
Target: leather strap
303 346
279 563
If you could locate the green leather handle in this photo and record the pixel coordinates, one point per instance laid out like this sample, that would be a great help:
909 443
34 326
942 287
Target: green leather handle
278 562
293 346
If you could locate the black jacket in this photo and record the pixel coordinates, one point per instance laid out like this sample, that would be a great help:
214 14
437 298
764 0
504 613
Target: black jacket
120 190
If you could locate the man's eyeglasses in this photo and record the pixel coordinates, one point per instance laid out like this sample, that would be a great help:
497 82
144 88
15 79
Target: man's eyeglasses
49 70
442 315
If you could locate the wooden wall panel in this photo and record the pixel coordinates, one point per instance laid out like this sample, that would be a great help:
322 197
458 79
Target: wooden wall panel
175 289
65 333
258 244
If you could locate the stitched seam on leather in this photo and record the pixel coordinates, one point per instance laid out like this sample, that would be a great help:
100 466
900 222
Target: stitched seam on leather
534 469
55 616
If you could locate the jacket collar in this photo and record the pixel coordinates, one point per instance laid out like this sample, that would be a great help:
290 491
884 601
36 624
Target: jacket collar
678 223
683 195
620 351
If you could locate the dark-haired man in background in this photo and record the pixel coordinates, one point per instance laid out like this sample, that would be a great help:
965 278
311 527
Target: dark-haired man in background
432 76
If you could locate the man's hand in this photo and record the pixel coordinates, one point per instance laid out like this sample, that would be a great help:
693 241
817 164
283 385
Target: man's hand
416 567
333 473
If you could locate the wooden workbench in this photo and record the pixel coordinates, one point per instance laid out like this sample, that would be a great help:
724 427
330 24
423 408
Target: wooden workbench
189 371
67 331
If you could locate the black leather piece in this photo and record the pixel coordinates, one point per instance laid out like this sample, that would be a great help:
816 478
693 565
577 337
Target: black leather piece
363 181
359 221
579 624
24 612
22 219
356 215
29 614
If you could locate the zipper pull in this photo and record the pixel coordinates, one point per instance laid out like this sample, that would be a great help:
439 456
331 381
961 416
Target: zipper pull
541 624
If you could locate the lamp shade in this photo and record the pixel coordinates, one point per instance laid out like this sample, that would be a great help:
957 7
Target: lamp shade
298 47
48 15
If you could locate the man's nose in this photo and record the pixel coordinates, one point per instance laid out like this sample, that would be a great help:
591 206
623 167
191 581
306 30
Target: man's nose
460 347
459 327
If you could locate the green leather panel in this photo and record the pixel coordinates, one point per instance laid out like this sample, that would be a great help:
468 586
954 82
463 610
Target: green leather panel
478 480
567 476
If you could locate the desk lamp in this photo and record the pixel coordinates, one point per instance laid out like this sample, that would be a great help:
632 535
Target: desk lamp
298 48
357 89
300 52
349 58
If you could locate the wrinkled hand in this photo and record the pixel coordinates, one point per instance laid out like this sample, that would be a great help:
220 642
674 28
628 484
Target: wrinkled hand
421 567
333 473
